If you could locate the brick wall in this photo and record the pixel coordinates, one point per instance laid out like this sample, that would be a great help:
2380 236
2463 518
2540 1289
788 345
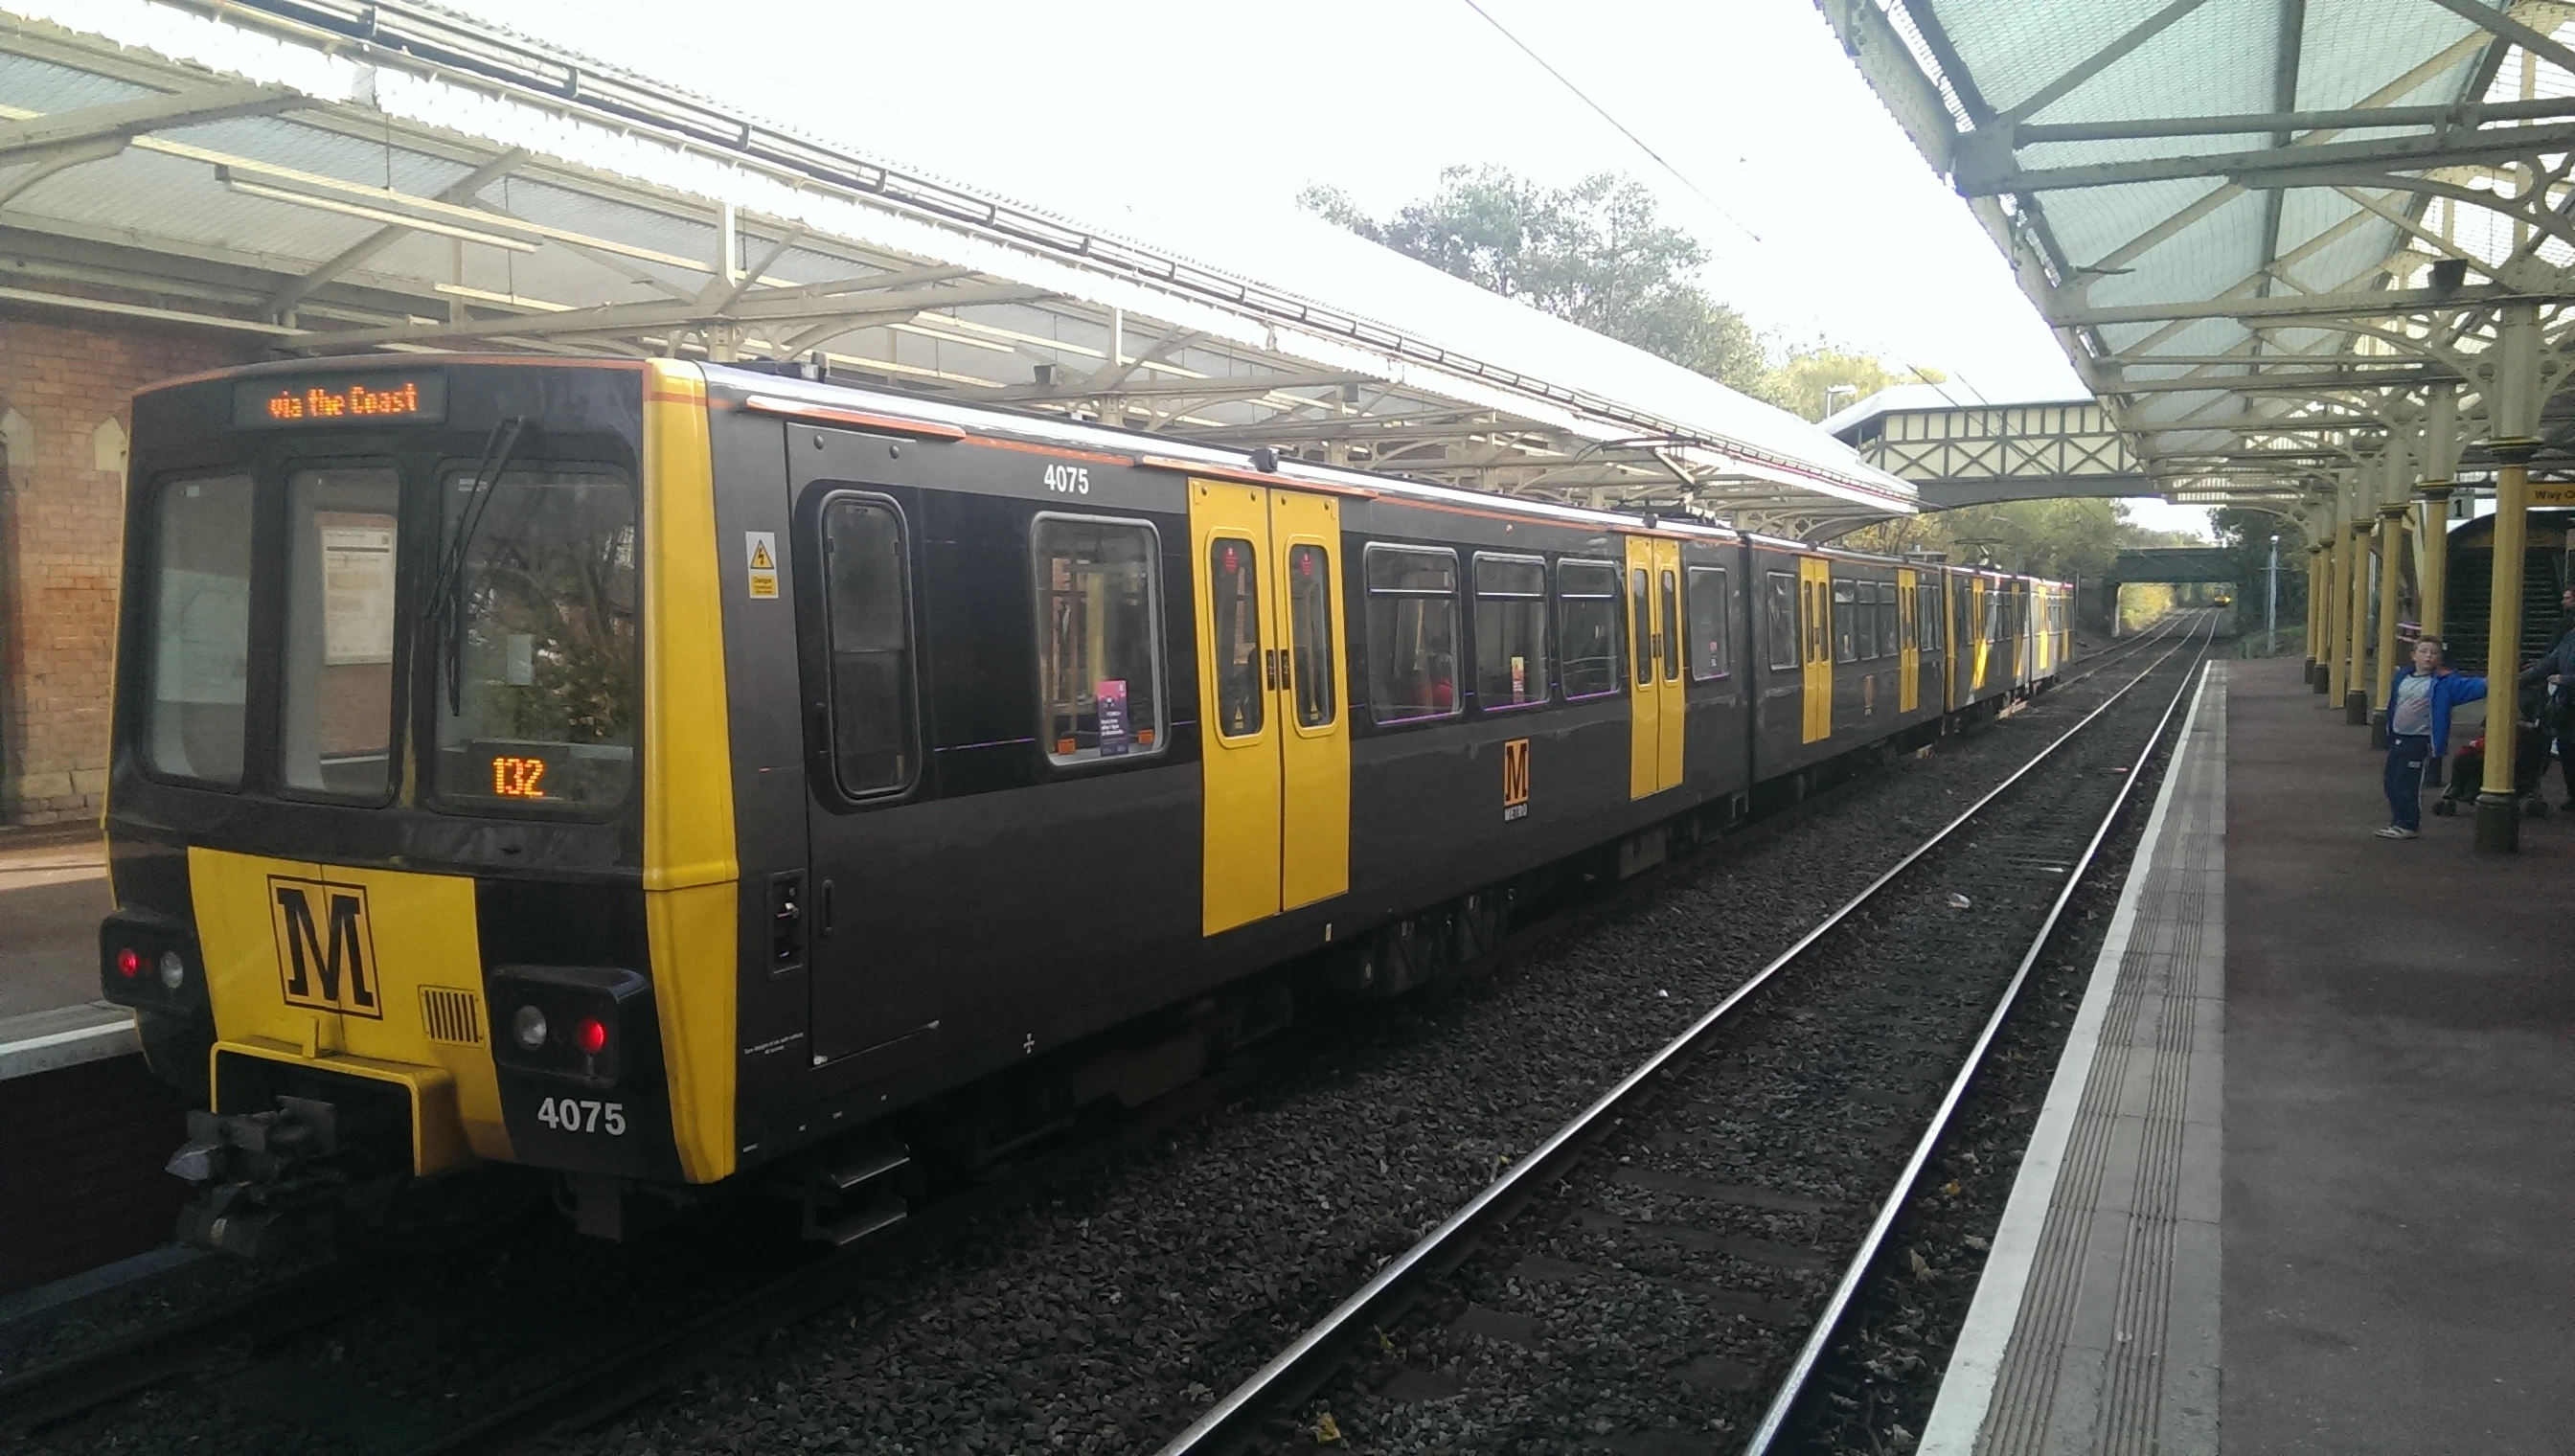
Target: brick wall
65 388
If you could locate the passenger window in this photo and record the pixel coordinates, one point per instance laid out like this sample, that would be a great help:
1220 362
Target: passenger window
1511 631
1886 624
1671 638
1865 618
1309 635
1845 631
1586 596
1641 612
1233 598
1707 616
1780 620
866 615
1100 663
200 628
1411 633
337 726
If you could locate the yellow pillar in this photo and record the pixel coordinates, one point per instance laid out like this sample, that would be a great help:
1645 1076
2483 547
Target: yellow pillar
2498 806
2337 578
2512 409
2355 703
2436 558
2333 616
2391 541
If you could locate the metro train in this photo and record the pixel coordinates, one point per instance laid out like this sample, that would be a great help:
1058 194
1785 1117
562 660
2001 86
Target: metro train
661 773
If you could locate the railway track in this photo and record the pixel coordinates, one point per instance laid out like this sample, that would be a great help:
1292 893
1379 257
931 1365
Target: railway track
250 1330
1665 1270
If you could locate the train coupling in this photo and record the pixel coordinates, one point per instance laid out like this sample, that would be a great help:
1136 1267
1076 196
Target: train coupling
269 1183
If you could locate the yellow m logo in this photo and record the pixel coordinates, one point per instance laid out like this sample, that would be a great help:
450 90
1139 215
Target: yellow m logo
326 954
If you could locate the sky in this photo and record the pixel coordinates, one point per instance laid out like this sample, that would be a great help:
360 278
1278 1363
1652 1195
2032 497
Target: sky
1821 220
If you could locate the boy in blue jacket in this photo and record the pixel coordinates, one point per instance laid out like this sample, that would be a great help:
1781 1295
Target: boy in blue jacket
2418 726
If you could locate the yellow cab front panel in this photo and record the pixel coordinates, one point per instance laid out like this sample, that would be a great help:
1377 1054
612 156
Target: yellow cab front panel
405 817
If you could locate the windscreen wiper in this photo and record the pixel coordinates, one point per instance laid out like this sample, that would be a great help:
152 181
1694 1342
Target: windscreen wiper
447 590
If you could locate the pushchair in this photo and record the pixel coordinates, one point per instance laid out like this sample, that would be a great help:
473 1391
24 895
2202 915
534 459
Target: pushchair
2529 761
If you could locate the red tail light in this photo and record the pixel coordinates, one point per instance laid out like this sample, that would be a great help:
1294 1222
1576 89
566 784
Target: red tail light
591 1035
129 963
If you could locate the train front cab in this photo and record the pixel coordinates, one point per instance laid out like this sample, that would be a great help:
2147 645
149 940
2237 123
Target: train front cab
406 873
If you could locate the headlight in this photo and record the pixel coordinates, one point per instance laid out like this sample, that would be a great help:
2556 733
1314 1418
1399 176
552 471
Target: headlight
174 970
530 1028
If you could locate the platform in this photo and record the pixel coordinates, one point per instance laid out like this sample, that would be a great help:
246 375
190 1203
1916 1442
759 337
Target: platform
2304 1180
53 894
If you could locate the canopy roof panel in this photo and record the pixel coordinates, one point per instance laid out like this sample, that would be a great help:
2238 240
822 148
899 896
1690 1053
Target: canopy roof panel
2265 230
336 176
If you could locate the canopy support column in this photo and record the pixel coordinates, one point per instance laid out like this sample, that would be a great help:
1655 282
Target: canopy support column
2355 702
2514 410
2337 675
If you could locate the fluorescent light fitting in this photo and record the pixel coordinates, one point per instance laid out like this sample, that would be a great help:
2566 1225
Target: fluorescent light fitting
954 338
486 296
370 212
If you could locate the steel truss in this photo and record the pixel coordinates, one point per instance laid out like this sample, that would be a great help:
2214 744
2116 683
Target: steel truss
648 223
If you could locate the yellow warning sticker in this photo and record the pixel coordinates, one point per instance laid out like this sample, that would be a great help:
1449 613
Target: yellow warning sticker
761 546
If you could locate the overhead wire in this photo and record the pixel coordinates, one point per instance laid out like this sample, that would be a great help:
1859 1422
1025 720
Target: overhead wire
1666 163
1603 113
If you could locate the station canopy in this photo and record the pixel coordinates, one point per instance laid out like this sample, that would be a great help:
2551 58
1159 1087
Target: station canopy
333 176
2265 230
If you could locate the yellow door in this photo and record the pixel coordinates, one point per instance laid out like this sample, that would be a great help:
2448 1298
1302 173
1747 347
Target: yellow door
1644 679
1815 614
1674 711
1275 748
1315 751
1658 706
1977 626
1909 638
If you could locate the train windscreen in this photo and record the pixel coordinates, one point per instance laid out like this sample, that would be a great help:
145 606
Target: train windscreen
541 677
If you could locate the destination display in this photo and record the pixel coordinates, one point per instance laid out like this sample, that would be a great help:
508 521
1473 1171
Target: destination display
346 399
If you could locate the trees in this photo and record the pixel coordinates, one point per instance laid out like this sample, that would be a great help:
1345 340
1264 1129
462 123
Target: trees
2246 535
1596 253
1807 381
2060 539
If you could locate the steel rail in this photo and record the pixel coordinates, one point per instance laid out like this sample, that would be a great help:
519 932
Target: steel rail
1793 1388
1313 1352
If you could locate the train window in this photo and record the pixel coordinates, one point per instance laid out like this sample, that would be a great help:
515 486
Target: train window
337 725
539 695
1233 600
1707 616
1886 620
1586 595
1099 647
868 620
1511 631
1670 641
1309 635
200 651
1640 613
1864 619
1411 633
1845 631
1909 624
1780 619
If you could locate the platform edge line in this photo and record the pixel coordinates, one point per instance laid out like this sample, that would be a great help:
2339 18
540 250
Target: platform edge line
1975 1363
